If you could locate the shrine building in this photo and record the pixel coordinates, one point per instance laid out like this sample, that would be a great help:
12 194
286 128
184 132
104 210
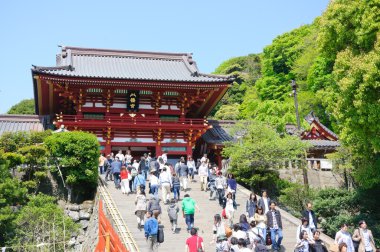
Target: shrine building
131 100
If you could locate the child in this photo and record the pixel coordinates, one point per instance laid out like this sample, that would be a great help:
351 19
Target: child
173 215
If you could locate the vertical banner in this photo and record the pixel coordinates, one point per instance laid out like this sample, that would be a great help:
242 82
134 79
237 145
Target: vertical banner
133 100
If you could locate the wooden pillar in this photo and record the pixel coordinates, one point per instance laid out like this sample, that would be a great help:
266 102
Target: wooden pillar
189 150
218 153
158 149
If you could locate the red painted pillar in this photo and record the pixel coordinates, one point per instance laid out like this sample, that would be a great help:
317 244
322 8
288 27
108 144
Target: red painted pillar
107 149
158 149
189 150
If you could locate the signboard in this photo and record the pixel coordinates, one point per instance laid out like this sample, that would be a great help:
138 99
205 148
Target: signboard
326 164
133 100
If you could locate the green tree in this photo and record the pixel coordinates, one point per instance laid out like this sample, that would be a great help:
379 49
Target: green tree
12 195
228 112
77 155
24 107
258 153
41 221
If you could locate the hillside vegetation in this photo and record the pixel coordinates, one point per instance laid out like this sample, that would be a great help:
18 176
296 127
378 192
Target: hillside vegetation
335 62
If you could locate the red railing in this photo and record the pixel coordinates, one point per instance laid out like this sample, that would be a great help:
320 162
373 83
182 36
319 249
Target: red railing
125 120
108 238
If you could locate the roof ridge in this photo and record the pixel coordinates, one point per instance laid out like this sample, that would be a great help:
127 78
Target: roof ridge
117 52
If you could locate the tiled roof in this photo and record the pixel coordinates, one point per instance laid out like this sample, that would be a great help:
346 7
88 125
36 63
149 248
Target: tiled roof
311 117
323 143
14 123
218 134
130 65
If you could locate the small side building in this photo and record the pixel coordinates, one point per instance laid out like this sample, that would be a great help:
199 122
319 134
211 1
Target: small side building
323 141
17 123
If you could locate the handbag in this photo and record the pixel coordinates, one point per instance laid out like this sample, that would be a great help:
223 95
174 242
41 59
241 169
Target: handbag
228 231
199 249
224 214
268 239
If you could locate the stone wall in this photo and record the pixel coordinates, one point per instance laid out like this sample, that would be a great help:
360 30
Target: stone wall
85 215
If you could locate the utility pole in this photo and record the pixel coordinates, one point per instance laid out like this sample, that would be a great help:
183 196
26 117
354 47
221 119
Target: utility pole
293 84
294 87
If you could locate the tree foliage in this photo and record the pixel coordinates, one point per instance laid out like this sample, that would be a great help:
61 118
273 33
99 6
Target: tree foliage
77 154
41 221
259 151
24 107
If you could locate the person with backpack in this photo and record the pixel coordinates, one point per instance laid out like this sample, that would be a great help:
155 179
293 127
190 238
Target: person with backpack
173 210
140 208
176 187
188 210
151 231
139 182
154 205
195 242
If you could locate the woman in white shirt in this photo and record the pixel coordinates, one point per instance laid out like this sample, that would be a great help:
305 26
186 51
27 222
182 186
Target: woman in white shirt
304 242
191 165
343 236
218 228
304 227
230 210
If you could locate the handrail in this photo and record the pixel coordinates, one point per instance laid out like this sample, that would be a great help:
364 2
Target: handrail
116 219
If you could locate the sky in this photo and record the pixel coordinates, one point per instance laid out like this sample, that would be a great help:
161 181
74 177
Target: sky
213 31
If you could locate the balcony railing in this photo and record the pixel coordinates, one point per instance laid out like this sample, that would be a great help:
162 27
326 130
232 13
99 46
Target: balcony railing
127 120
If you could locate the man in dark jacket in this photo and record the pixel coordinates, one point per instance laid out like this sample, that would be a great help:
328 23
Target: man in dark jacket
310 216
275 226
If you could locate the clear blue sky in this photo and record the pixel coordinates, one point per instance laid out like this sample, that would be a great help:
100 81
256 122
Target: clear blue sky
213 30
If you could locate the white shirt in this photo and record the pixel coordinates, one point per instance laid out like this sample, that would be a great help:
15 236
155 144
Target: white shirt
203 170
165 178
136 165
165 158
366 240
153 180
120 156
266 207
345 237
311 221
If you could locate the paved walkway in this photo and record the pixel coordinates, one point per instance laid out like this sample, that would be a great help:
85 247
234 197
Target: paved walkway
203 219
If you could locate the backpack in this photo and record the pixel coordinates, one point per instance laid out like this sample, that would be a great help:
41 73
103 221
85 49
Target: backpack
160 235
134 172
172 212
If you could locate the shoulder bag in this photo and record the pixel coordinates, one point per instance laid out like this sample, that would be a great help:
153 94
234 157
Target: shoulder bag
199 249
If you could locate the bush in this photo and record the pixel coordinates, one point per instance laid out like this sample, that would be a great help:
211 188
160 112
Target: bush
42 220
295 197
77 154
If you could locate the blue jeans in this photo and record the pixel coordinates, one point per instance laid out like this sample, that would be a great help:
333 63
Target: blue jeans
264 232
176 190
144 172
116 176
276 243
154 190
189 219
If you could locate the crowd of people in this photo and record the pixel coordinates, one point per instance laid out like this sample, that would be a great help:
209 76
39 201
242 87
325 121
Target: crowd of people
260 223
